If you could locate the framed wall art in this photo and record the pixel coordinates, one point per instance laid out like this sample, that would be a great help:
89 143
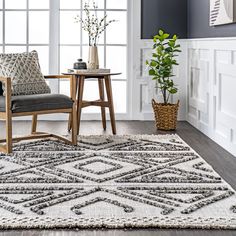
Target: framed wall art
222 12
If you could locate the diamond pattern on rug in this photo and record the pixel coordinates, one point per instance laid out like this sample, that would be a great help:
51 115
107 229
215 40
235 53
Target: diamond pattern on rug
113 182
98 166
45 146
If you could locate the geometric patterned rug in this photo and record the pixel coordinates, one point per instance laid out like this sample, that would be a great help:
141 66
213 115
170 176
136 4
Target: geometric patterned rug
154 181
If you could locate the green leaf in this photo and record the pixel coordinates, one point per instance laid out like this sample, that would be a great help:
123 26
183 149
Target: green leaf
152 72
161 32
175 37
166 36
158 37
171 44
173 90
153 63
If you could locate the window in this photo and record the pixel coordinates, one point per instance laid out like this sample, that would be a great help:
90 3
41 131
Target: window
48 26
21 30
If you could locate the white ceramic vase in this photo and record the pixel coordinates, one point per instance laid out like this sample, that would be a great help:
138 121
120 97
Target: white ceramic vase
93 62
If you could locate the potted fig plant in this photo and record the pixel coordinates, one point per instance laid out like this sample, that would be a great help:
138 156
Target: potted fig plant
165 51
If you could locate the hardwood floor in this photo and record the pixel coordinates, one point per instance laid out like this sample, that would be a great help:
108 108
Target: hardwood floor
222 161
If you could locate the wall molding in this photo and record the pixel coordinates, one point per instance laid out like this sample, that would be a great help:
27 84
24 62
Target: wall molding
211 39
211 81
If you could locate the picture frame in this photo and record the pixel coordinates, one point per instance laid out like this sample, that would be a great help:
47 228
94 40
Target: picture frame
222 12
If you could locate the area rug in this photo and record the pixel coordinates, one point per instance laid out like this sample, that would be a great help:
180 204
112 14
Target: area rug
112 182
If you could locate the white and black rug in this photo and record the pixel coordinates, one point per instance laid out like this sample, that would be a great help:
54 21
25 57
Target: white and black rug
113 182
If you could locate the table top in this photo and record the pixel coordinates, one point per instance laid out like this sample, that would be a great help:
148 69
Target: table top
91 74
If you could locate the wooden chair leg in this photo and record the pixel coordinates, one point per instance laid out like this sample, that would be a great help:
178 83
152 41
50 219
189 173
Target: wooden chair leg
110 101
8 117
69 123
9 132
102 98
74 125
34 123
80 100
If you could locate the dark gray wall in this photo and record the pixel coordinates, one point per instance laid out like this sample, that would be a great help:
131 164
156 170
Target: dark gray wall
187 18
198 22
170 15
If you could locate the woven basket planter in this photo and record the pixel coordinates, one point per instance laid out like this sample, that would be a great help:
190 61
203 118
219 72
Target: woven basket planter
165 115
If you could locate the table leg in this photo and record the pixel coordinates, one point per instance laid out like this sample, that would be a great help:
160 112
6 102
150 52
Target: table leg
80 100
110 101
102 98
73 92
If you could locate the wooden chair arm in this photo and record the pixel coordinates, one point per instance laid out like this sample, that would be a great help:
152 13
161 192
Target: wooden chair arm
72 83
5 80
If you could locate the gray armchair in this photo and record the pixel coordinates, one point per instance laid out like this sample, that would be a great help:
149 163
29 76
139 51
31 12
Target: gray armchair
34 105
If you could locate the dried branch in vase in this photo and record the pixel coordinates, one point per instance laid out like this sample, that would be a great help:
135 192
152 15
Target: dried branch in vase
92 24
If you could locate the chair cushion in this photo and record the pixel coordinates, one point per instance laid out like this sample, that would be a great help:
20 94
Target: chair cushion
38 102
24 70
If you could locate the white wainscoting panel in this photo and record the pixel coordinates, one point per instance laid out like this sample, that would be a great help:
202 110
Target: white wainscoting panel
211 89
